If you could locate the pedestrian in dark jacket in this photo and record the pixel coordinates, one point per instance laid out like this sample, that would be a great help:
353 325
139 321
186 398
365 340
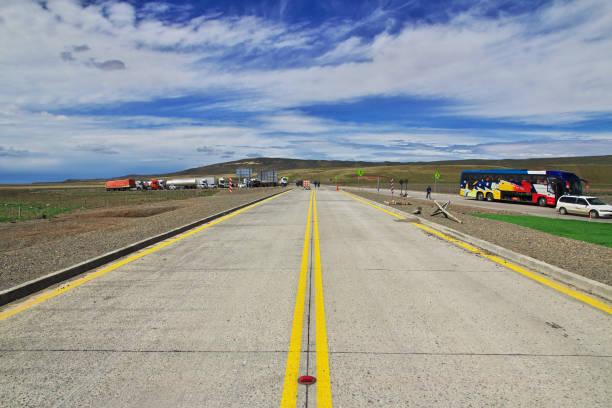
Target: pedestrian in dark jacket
428 196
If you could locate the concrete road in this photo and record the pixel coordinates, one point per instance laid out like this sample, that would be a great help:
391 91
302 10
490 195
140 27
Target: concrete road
380 312
528 209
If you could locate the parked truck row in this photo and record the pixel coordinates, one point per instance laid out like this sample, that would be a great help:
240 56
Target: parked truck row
188 183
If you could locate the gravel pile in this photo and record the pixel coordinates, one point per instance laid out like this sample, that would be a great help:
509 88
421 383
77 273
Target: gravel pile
35 248
589 260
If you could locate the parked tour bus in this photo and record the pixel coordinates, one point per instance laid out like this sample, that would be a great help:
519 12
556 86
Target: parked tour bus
542 187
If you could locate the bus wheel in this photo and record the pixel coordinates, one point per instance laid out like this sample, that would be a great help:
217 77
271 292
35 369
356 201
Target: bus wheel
480 196
593 214
542 202
489 197
562 211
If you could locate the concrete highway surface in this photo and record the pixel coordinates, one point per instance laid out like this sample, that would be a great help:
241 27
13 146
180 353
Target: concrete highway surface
380 311
522 208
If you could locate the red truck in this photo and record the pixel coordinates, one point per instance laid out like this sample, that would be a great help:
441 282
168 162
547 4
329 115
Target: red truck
116 185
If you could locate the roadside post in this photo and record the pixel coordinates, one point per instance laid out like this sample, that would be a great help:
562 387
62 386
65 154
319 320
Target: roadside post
391 187
360 173
378 184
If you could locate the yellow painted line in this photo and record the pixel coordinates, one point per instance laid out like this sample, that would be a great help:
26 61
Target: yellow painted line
373 205
45 296
324 396
576 295
290 386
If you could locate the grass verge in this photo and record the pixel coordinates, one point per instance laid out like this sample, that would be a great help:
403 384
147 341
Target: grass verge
592 232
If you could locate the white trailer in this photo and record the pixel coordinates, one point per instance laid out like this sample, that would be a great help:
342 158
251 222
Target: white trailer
210 182
184 183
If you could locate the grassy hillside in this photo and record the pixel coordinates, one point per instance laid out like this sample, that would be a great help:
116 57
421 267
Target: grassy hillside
596 169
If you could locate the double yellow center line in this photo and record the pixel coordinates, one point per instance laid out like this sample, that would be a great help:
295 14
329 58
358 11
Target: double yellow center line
292 372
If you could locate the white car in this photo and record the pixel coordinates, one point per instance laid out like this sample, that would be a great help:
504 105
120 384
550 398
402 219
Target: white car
583 205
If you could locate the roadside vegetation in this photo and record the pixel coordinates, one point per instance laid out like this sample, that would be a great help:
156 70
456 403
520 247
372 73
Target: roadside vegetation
20 204
593 232
596 169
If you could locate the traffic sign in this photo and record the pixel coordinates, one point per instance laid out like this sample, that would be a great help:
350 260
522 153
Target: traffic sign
360 172
437 175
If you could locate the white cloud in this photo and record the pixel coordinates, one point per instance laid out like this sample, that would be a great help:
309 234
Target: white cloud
551 66
121 14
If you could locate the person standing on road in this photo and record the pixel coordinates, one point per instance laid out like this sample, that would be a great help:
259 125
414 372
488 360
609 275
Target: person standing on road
428 196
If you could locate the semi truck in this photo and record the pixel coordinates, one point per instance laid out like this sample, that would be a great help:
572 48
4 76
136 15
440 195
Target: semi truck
155 184
120 185
210 182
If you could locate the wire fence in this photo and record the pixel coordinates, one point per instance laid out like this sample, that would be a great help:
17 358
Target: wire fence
28 204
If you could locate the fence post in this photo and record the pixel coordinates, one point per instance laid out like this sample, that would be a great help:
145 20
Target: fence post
19 216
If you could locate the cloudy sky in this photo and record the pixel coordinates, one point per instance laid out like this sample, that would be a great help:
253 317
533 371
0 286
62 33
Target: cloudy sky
107 88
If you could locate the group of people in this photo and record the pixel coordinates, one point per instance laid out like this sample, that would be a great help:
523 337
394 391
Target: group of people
316 183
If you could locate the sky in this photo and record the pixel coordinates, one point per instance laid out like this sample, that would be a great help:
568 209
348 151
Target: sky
100 89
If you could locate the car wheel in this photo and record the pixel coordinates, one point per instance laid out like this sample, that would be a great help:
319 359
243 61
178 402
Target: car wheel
489 197
542 202
593 214
562 211
480 196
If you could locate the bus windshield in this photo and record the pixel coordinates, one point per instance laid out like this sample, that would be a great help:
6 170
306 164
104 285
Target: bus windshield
575 187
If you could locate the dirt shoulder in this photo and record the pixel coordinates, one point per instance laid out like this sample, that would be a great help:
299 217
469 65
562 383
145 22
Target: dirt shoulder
589 260
31 249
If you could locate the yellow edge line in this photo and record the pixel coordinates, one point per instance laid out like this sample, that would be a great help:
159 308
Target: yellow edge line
373 205
290 385
41 298
324 396
576 295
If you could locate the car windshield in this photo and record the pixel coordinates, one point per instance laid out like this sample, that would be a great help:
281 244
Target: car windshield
595 201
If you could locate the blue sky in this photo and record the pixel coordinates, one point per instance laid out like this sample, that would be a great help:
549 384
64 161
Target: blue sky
106 88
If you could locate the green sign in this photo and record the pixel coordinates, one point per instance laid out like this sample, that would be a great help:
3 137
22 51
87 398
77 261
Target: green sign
437 175
360 172
336 178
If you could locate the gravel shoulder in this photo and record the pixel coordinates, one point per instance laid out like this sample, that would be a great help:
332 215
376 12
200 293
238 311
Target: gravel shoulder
589 260
31 249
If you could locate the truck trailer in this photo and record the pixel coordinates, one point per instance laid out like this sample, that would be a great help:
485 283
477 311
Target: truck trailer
268 178
120 185
184 182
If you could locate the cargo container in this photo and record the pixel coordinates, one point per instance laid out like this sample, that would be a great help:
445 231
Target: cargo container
268 178
117 185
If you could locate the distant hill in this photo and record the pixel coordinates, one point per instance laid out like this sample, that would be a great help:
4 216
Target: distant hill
281 164
520 163
277 164
597 169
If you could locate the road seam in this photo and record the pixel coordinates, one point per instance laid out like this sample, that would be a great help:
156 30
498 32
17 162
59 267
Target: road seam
290 384
324 397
